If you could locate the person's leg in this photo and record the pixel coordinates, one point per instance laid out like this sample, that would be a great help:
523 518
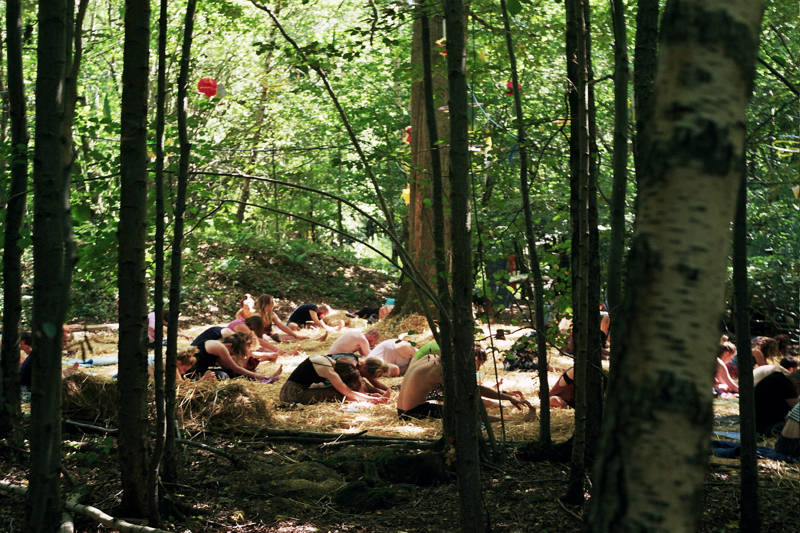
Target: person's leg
557 401
292 326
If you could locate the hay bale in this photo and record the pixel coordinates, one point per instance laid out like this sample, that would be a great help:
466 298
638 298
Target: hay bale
88 397
391 327
228 405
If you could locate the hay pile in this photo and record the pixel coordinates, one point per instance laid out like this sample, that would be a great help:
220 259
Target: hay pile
221 406
225 406
89 398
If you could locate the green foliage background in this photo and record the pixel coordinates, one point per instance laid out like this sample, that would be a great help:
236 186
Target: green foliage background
365 49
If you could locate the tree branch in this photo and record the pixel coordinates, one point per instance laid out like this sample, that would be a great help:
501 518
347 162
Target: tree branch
778 75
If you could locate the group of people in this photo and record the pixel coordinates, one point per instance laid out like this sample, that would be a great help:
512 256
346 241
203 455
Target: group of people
777 388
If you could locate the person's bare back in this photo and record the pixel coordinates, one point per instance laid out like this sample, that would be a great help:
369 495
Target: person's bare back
355 342
421 378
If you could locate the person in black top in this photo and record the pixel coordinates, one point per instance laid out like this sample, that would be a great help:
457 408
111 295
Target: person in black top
775 395
219 347
343 375
309 314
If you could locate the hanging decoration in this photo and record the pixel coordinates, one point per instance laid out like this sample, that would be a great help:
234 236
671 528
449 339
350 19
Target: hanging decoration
510 89
442 43
406 195
408 134
207 86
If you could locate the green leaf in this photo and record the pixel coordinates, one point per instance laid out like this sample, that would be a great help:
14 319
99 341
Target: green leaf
514 7
81 213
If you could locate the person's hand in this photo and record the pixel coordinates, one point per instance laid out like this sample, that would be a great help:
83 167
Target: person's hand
378 398
208 376
516 402
387 393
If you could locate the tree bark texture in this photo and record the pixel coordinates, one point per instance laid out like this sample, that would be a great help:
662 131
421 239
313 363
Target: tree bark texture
644 73
445 337
170 466
49 306
154 466
134 441
418 226
466 397
577 73
654 449
750 520
594 369
530 239
10 411
620 161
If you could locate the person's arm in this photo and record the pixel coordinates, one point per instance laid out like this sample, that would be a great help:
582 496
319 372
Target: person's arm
363 345
320 324
283 327
517 402
377 386
724 377
325 371
225 360
265 344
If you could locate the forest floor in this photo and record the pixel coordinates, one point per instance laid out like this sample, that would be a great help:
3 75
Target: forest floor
321 468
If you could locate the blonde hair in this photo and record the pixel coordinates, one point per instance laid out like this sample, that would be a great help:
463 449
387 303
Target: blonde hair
263 304
375 367
187 357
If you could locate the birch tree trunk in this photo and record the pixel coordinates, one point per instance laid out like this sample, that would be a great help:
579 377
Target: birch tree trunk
654 449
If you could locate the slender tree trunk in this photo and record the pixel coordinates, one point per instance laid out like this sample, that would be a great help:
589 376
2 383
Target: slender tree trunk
620 160
654 451
245 196
170 467
544 392
134 441
445 337
750 520
10 411
577 72
594 369
644 74
154 517
467 396
51 207
419 217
